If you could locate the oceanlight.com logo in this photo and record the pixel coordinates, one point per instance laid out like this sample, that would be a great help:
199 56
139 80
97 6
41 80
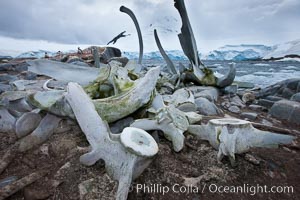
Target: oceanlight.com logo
211 188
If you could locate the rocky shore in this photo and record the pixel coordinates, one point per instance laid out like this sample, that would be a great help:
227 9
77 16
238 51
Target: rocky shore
275 109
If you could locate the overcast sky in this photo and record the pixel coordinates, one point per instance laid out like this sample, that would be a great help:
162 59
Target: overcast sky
44 24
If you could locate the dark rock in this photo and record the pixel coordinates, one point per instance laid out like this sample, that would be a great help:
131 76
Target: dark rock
274 98
210 94
109 53
225 104
266 103
296 97
6 67
7 78
205 107
4 87
292 84
30 76
117 127
80 63
257 107
248 97
286 110
298 87
231 89
279 87
249 115
122 60
236 101
287 93
21 67
234 109
245 85
27 123
7 121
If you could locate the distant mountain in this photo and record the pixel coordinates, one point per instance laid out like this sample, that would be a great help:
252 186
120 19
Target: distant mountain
9 53
228 52
239 52
155 55
285 49
35 54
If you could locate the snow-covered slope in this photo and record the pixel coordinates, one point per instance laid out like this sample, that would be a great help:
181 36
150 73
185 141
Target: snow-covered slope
281 50
12 53
35 54
239 52
228 52
155 55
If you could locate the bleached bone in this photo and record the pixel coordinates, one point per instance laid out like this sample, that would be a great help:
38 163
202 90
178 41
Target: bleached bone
110 109
199 74
45 85
126 155
184 100
44 130
27 123
170 64
63 71
7 121
19 105
136 24
234 136
170 120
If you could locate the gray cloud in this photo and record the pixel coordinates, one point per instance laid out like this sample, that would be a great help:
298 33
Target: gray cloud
215 22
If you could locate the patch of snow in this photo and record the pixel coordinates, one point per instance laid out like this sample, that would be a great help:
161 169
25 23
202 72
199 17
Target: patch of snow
262 64
291 67
264 80
289 59
281 50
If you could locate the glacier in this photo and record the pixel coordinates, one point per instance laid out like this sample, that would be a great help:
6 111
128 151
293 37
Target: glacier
241 52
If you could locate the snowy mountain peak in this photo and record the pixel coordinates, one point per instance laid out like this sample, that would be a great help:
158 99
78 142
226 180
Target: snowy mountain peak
281 50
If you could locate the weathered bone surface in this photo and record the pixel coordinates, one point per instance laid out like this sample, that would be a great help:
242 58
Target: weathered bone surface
111 108
7 121
131 14
200 74
126 156
27 123
170 120
44 130
228 78
234 136
63 71
184 100
186 37
119 106
19 105
170 64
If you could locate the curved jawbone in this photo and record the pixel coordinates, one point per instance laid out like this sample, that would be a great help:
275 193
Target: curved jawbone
110 109
114 108
136 24
207 77
227 79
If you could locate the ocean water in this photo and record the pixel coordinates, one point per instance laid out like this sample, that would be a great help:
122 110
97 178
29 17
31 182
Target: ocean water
261 73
